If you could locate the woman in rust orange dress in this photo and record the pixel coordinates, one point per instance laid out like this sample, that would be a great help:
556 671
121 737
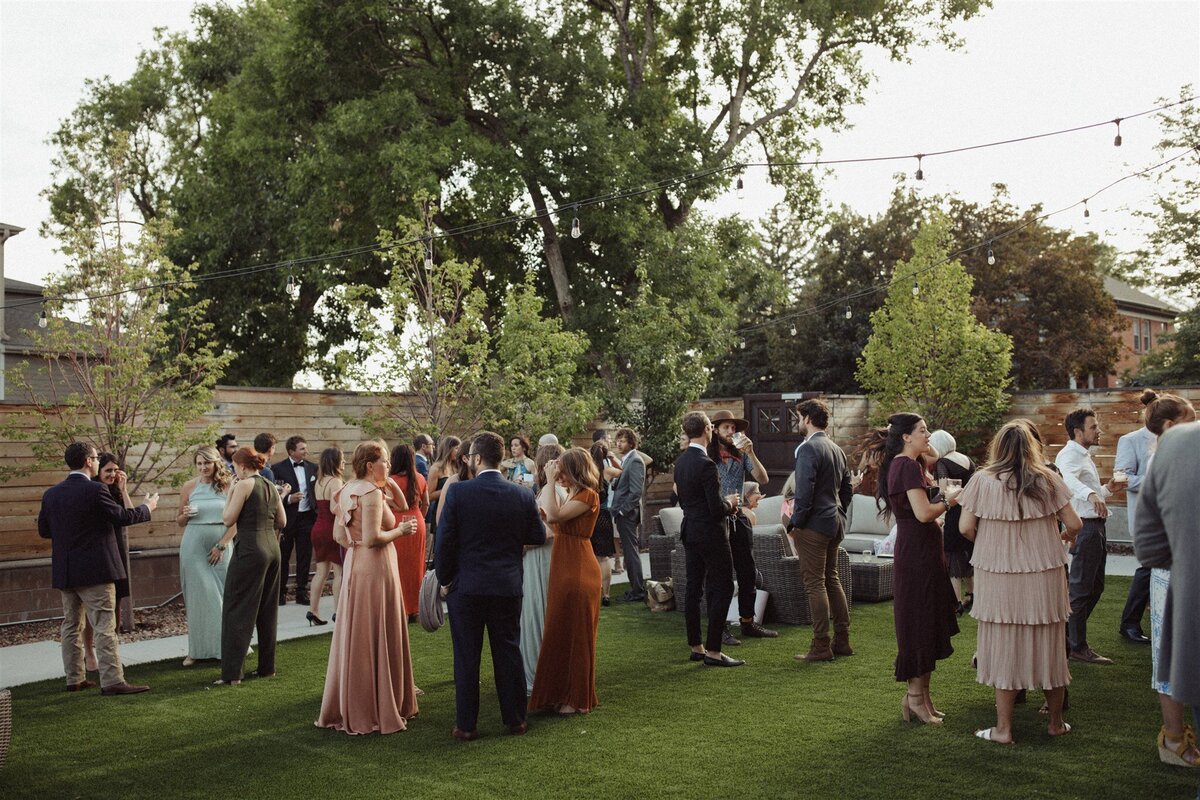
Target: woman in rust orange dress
566 669
410 550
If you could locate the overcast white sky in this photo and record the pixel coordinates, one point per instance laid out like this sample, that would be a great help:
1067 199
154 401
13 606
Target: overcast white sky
1027 66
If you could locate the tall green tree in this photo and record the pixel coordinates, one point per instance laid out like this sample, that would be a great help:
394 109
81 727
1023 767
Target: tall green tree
928 353
129 372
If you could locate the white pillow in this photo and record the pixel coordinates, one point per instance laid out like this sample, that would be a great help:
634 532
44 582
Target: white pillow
671 519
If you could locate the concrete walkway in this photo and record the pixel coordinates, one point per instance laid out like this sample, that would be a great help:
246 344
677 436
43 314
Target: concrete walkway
39 661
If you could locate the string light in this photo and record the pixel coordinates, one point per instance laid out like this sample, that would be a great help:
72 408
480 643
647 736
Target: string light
916 289
428 253
920 172
292 289
42 320
991 258
1086 212
575 231
162 303
849 313
1117 141
793 330
741 189
742 344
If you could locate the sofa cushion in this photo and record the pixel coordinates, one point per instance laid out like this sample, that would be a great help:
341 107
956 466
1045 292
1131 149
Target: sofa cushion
864 518
769 510
671 519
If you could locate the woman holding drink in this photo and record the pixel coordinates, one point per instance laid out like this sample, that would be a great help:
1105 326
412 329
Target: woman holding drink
201 502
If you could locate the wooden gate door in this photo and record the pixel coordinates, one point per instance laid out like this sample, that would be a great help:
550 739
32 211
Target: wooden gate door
775 431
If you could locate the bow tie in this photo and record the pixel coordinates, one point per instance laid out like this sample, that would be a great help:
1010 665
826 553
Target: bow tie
298 464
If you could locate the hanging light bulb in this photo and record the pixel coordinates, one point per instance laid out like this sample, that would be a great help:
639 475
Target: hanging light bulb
1117 141
575 231
916 289
742 344
920 172
292 289
1086 212
991 258
741 189
42 320
162 303
429 254
793 329
849 313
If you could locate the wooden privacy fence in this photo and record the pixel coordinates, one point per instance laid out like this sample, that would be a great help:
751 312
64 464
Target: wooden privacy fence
318 417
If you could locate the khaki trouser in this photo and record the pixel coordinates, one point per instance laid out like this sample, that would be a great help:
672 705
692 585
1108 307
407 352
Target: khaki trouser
99 602
818 569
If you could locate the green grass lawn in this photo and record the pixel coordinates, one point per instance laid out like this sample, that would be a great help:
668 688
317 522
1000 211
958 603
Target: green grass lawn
666 727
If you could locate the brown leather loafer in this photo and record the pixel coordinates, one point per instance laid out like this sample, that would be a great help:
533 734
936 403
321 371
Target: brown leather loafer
464 736
123 688
79 687
518 730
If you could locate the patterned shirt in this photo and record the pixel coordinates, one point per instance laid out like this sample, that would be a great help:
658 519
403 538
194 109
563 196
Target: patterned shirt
732 473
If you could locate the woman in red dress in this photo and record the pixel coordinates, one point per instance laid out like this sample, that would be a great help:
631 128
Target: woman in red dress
566 669
410 550
326 552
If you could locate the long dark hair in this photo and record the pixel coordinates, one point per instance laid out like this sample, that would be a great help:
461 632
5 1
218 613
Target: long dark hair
892 444
105 460
464 462
403 463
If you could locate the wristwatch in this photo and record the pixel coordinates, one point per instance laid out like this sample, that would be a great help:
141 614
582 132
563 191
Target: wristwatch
221 547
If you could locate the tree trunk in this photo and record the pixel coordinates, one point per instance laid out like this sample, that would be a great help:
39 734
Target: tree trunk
553 250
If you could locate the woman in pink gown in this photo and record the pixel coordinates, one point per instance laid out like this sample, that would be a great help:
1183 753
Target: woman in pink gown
369 681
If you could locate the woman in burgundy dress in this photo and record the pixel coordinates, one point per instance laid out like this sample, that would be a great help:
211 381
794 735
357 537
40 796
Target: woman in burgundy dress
410 550
924 604
326 552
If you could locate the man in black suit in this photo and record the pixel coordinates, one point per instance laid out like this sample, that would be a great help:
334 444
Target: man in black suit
818 526
80 518
423 450
486 524
227 445
705 537
301 510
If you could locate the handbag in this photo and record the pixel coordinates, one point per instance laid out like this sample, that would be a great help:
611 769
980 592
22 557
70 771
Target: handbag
429 608
660 595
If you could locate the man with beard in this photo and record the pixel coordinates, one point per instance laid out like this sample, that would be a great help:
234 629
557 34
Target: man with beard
733 453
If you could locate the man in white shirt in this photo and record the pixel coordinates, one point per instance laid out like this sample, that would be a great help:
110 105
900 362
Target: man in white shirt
1089 553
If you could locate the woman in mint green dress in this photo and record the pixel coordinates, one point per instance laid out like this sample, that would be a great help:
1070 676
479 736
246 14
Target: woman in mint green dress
201 502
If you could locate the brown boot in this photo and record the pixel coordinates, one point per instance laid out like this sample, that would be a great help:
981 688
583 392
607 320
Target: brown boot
841 644
819 650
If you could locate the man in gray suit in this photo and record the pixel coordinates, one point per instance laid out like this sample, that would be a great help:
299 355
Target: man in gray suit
817 527
1133 456
626 508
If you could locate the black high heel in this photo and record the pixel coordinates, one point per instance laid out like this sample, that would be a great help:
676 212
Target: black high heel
313 619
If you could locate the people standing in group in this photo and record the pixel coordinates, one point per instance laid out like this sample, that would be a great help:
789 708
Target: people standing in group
423 452
201 507
485 527
535 576
924 603
328 554
1090 550
609 474
254 513
626 509
565 678
733 453
111 475
603 544
817 527
704 534
1011 510
954 466
1133 458
1165 539
301 475
462 463
412 504
369 683
80 517
226 446
519 467
444 465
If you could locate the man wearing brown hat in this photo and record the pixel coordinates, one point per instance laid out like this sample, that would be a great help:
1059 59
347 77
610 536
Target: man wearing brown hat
733 453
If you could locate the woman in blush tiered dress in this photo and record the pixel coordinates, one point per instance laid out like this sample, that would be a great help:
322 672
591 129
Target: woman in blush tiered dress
326 552
369 680
410 550
201 504
1011 510
566 669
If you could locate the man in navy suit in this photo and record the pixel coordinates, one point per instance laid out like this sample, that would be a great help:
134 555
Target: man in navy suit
301 510
80 518
486 524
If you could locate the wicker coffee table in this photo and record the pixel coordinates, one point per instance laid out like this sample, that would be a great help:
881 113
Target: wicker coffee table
872 578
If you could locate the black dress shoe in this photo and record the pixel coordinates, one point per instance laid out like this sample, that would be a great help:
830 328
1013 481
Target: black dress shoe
723 661
1136 636
302 599
123 688
752 628
464 736
630 597
694 656
728 639
283 599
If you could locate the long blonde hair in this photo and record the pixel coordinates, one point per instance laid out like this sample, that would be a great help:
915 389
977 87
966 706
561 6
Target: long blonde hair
1015 453
221 477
